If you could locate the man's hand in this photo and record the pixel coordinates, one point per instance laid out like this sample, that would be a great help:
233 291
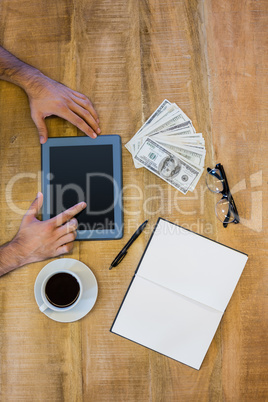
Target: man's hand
48 97
39 240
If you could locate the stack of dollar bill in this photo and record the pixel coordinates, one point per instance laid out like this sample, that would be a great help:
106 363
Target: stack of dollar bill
168 145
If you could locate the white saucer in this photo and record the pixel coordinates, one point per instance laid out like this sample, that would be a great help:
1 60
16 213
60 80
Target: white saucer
90 289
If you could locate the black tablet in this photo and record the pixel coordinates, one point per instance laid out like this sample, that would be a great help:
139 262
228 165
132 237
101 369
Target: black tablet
76 169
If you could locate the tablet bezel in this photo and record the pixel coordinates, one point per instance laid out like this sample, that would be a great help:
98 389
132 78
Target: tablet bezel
115 141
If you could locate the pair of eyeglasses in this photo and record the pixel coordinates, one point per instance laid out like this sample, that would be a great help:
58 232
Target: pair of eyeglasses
225 209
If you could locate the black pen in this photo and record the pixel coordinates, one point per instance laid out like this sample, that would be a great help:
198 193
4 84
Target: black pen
123 252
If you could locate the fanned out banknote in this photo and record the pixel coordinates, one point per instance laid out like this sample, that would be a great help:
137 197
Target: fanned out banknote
168 145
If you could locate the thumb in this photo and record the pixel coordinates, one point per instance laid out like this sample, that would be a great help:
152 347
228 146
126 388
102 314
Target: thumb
35 207
41 127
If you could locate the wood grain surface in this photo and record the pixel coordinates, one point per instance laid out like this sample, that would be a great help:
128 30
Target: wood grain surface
127 56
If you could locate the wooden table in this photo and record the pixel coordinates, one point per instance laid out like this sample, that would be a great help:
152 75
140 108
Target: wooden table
127 56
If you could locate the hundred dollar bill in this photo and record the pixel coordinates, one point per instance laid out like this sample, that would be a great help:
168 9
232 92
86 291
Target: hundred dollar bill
183 138
159 113
172 111
136 143
166 118
194 183
166 165
185 131
192 138
194 141
160 110
166 114
169 110
194 157
174 119
187 126
196 147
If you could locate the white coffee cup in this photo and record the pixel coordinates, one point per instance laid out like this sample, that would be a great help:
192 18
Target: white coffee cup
59 276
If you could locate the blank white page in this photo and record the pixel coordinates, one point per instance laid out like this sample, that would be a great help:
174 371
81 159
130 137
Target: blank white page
166 322
192 265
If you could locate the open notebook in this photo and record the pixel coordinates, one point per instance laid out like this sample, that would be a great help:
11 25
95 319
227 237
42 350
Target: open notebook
179 293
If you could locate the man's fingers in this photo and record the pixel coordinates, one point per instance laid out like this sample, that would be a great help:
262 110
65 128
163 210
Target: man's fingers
68 238
41 127
69 227
86 104
80 123
86 116
35 206
69 214
67 248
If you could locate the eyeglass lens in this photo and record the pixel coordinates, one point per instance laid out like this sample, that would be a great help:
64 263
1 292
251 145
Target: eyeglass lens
223 208
214 181
224 211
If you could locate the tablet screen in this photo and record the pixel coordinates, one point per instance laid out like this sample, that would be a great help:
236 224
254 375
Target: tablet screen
83 173
76 169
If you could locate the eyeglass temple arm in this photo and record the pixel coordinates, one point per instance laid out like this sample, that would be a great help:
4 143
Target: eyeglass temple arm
228 193
226 220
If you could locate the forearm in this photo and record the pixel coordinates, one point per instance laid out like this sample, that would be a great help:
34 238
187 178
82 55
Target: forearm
16 71
10 258
48 97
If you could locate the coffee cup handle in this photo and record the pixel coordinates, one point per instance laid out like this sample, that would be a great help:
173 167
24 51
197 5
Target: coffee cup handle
43 307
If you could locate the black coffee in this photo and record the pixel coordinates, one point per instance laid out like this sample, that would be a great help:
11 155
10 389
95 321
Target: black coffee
62 289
